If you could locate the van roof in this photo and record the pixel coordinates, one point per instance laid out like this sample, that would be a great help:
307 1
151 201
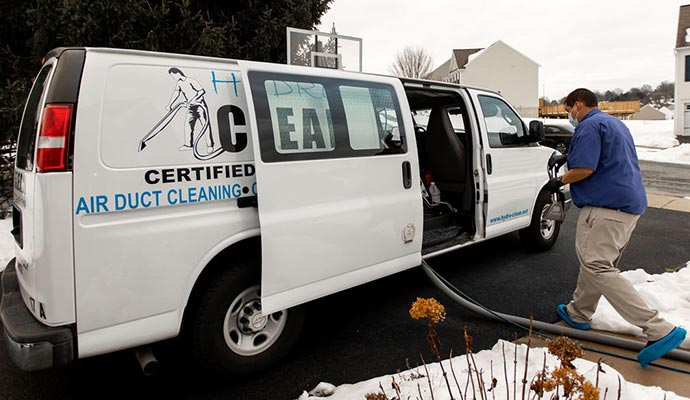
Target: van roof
423 82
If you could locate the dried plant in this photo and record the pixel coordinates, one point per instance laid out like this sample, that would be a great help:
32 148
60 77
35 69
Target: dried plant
563 383
433 312
564 377
565 349
375 396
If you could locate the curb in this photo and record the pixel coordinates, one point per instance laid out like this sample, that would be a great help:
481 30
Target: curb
668 202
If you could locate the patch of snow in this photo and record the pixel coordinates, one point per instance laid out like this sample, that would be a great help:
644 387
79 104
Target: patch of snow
668 292
6 242
323 389
654 134
676 155
413 381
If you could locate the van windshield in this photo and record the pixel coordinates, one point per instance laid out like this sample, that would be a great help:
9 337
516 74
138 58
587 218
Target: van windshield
29 125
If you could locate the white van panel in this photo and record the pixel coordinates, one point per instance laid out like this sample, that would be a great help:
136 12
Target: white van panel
146 218
53 249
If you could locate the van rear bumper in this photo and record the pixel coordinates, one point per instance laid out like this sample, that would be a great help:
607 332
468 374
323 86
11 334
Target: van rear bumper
32 345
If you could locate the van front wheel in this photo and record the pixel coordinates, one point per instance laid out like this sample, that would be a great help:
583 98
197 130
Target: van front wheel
542 233
230 334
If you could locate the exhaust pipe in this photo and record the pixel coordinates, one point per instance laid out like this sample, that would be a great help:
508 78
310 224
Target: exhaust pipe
147 361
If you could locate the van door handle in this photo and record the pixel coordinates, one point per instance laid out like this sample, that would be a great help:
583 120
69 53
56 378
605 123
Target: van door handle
489 167
407 174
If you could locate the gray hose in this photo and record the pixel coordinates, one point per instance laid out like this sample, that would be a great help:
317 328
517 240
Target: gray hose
543 326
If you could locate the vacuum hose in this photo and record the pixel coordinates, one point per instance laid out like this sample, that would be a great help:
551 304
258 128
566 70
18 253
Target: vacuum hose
472 305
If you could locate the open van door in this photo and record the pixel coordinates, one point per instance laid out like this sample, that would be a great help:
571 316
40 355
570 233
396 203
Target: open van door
337 179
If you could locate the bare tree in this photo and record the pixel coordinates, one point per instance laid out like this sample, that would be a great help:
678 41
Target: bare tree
411 62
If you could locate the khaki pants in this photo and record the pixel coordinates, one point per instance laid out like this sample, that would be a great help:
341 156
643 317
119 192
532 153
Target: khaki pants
602 235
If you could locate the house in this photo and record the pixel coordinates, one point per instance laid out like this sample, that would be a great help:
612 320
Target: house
682 87
648 112
498 67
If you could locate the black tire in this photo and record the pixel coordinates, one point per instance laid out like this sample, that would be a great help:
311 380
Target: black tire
541 234
217 348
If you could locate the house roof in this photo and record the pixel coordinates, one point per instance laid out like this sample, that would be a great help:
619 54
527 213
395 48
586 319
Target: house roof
683 25
462 56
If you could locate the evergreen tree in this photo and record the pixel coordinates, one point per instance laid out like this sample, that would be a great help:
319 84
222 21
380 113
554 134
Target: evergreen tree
242 29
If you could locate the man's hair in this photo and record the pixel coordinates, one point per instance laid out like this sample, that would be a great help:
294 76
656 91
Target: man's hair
584 95
176 71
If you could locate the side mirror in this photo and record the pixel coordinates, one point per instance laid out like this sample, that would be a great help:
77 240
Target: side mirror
536 131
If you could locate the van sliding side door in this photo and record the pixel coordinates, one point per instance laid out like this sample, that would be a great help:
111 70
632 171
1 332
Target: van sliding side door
337 180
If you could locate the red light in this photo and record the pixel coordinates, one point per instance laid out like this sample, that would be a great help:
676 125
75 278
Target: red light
53 139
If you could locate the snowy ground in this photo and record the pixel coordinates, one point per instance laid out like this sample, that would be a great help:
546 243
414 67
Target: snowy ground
668 292
6 242
414 381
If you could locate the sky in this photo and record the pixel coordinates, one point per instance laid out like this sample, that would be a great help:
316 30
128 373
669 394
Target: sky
600 45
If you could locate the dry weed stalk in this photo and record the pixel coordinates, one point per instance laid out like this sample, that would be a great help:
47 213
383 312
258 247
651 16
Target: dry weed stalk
494 381
433 312
529 343
505 370
396 388
515 369
428 378
452 371
468 351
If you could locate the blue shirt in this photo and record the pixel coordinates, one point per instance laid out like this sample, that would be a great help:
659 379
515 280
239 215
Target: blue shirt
603 143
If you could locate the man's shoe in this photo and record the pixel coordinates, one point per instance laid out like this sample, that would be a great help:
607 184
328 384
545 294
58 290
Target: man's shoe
563 313
659 348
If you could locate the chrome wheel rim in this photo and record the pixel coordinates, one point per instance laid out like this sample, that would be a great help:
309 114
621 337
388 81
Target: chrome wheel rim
546 226
246 330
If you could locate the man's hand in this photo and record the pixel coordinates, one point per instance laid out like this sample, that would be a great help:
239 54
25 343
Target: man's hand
554 184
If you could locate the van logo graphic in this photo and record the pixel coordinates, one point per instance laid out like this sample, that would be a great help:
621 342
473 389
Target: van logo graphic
188 94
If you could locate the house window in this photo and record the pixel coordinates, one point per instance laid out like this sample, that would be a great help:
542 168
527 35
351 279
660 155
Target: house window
687 68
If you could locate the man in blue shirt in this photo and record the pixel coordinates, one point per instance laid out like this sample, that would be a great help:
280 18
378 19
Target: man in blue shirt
605 181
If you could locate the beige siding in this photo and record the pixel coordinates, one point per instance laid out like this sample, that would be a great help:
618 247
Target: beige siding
503 69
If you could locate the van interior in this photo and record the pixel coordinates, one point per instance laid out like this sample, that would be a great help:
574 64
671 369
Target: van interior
444 141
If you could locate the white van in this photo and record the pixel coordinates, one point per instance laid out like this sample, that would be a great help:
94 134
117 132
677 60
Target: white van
137 216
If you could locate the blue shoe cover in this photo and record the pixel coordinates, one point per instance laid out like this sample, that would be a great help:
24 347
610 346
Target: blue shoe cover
563 313
661 347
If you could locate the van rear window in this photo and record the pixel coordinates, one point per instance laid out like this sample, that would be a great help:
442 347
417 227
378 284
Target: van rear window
29 125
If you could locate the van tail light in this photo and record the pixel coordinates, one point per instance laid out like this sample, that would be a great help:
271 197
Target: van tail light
53 140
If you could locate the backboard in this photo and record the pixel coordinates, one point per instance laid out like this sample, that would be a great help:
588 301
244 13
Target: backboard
323 50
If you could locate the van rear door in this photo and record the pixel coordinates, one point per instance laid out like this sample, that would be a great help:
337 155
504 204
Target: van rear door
337 175
42 222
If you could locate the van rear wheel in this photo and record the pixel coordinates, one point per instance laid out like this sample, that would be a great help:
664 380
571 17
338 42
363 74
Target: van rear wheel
542 233
229 333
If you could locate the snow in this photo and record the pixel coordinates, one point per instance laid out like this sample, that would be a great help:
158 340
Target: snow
676 155
6 242
654 134
668 292
411 382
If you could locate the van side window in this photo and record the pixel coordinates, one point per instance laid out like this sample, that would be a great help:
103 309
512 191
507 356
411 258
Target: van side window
301 117
503 126
29 126
372 122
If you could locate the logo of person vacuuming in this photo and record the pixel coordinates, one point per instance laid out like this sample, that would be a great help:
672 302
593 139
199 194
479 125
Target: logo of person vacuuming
188 94
153 181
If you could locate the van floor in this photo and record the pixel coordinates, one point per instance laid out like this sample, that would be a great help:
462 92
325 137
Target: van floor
440 232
